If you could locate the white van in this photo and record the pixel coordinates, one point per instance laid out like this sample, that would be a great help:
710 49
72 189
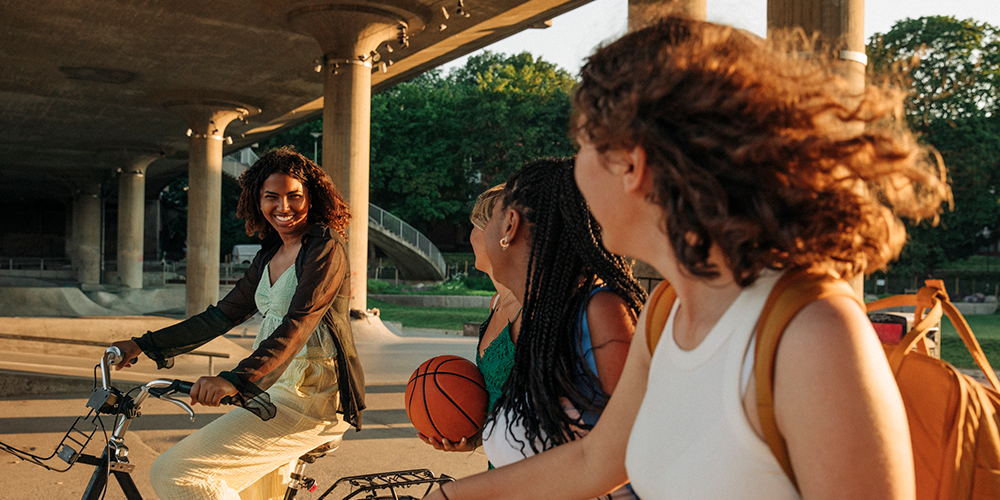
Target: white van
244 254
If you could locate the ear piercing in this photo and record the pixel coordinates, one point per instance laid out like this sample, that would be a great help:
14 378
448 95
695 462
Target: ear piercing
504 243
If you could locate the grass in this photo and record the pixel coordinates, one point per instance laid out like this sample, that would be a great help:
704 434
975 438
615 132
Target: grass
460 285
987 330
443 318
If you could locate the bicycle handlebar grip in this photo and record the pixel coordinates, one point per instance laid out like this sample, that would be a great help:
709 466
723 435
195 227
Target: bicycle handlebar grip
184 386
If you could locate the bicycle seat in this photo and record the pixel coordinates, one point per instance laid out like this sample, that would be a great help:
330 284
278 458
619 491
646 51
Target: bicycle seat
321 450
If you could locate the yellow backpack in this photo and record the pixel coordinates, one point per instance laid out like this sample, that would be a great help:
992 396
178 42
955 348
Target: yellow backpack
953 419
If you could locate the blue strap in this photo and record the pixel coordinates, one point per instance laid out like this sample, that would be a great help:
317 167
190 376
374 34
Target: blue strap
586 345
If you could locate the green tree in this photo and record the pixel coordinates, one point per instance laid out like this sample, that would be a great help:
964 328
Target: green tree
516 108
417 168
952 70
438 141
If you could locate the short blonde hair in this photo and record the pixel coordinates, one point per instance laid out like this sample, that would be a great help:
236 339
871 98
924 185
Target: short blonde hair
483 210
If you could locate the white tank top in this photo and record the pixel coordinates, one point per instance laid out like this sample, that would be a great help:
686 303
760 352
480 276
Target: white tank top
691 438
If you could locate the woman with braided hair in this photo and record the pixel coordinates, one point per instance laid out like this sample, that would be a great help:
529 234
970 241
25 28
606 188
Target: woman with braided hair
555 373
736 166
580 304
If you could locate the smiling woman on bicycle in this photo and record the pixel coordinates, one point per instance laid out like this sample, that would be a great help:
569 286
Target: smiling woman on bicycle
304 353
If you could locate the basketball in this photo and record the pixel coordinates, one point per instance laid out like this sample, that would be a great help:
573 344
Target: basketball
446 398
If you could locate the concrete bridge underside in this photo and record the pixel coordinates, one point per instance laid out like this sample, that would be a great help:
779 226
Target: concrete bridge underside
112 99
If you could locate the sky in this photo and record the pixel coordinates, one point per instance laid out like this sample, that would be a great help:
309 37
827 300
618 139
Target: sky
574 35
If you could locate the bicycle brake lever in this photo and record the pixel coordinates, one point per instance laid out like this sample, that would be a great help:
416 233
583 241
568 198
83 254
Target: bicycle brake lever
182 404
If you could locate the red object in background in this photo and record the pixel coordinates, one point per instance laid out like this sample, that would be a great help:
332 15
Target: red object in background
891 328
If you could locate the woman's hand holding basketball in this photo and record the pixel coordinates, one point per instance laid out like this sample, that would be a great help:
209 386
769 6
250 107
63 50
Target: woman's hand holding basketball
466 444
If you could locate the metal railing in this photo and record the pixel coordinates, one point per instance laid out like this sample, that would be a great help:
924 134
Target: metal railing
34 263
408 233
245 156
237 162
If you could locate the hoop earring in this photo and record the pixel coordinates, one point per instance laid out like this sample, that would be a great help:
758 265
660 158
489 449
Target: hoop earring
504 243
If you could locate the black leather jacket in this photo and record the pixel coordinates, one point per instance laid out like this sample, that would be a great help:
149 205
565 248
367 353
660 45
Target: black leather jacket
323 294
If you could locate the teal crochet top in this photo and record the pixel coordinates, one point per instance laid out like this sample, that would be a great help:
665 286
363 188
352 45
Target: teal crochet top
496 361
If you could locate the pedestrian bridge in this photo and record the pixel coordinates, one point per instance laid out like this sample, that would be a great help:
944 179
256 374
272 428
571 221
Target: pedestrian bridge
414 255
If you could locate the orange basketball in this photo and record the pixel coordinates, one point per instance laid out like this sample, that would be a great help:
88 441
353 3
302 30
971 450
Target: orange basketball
446 397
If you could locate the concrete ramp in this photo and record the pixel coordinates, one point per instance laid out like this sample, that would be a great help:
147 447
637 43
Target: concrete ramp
370 329
97 329
48 302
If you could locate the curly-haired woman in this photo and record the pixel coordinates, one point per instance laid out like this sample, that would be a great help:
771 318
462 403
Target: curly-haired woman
304 355
725 162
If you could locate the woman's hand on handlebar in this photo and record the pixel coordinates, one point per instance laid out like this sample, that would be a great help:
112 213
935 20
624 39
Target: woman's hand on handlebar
209 391
130 353
466 444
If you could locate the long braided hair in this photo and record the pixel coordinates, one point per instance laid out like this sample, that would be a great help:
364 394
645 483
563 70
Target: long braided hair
567 261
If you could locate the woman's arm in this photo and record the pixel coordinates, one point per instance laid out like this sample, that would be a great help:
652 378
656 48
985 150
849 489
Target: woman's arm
611 323
838 407
584 468
198 330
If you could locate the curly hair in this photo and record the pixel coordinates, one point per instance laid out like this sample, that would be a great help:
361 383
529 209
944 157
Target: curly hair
483 209
567 261
327 207
758 148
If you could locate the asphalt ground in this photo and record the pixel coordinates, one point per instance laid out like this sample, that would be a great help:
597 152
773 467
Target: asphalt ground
387 442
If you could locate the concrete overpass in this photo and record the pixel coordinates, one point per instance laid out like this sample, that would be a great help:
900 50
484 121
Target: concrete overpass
106 101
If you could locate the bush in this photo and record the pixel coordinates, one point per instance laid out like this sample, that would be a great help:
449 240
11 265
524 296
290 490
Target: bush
454 286
479 283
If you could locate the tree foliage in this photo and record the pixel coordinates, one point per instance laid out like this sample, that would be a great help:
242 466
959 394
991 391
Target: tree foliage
952 70
439 140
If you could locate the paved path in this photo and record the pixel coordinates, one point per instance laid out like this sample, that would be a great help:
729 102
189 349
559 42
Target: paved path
388 441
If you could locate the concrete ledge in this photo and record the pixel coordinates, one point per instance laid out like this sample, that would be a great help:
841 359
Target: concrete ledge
975 308
17 383
966 308
434 300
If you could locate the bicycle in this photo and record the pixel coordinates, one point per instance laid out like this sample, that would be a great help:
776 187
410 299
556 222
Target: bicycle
107 400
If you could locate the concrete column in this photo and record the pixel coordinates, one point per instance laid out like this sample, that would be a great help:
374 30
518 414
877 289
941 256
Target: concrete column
841 23
346 152
640 11
208 116
350 38
87 233
131 220
152 227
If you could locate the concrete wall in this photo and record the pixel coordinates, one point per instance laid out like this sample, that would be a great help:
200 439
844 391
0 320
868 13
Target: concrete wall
434 300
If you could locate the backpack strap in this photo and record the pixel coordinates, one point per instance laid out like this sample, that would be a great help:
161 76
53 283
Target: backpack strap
934 299
795 290
657 312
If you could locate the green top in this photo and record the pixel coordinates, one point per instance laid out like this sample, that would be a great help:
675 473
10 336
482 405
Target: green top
273 302
496 361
